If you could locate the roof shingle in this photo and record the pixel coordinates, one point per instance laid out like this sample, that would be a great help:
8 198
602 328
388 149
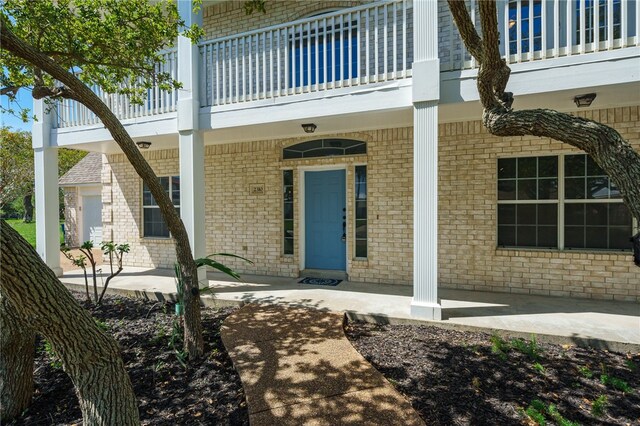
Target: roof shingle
88 170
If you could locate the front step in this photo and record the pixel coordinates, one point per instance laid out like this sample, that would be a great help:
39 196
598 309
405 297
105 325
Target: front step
324 273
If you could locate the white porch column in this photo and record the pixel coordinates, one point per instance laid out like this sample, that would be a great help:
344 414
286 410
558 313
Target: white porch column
191 141
46 189
426 92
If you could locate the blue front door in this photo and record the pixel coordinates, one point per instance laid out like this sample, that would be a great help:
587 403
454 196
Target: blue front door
324 218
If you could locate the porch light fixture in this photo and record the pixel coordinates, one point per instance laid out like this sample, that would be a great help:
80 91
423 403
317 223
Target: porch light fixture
584 100
143 144
309 127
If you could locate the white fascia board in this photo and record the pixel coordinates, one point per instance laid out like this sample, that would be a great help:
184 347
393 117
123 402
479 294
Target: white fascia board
393 95
140 127
78 185
551 75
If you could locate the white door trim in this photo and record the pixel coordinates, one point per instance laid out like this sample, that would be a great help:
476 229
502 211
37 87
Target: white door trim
302 206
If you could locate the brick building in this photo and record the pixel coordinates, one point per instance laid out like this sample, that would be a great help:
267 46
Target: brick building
344 136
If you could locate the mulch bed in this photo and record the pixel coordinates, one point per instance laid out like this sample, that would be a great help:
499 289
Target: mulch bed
459 378
208 392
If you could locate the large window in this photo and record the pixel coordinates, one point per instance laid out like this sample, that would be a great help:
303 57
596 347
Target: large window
287 206
153 223
329 55
594 215
361 211
564 202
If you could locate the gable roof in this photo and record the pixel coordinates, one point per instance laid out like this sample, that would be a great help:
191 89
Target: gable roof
88 170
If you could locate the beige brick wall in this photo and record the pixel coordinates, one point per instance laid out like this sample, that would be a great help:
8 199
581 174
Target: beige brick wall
467 225
228 18
122 208
251 225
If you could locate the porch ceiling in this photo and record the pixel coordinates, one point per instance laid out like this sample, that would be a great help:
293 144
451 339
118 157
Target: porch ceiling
608 96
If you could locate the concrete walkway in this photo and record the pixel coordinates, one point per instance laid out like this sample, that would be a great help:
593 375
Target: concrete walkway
297 367
606 324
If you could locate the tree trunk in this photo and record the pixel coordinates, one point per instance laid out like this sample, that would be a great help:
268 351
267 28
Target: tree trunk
77 90
17 347
28 208
89 356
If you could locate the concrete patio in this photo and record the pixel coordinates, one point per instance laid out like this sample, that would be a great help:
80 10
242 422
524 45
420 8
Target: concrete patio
605 324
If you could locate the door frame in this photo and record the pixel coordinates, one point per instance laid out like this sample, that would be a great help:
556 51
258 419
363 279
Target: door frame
302 208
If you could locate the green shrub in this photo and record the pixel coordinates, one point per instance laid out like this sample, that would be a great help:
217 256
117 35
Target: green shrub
539 412
538 367
599 406
615 383
531 348
499 346
586 372
54 360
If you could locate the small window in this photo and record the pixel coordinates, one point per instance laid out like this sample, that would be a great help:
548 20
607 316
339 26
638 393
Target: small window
361 211
527 13
603 20
287 208
325 148
153 222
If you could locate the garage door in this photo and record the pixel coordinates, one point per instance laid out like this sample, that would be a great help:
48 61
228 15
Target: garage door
92 219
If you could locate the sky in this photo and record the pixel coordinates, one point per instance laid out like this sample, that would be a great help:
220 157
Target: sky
24 100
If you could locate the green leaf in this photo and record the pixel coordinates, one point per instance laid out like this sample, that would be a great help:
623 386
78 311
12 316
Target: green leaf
231 255
217 265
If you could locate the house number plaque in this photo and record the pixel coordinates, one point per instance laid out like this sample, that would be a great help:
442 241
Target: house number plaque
256 189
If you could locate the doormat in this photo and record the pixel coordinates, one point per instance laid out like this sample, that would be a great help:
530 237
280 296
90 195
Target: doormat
320 281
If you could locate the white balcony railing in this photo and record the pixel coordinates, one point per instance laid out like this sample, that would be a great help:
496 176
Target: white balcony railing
70 113
362 45
544 29
371 44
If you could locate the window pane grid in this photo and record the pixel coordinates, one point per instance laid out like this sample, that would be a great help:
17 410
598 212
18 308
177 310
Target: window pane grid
529 208
603 20
287 208
361 211
525 36
153 222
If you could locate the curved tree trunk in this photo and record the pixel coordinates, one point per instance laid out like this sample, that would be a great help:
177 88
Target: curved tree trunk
77 90
602 143
17 347
89 356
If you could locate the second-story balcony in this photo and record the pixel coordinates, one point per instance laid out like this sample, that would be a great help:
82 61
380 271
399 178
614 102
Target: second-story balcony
354 47
371 45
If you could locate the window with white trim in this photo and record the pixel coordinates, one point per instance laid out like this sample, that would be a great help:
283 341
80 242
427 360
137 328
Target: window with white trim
564 202
337 45
602 16
153 224
525 24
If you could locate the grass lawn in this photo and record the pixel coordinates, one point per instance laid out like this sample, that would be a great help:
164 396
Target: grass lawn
28 230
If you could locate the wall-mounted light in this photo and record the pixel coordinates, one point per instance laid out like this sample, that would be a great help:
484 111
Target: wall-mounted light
143 144
584 100
309 127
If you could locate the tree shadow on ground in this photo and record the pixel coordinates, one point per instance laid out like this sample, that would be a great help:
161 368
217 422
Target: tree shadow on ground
297 367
